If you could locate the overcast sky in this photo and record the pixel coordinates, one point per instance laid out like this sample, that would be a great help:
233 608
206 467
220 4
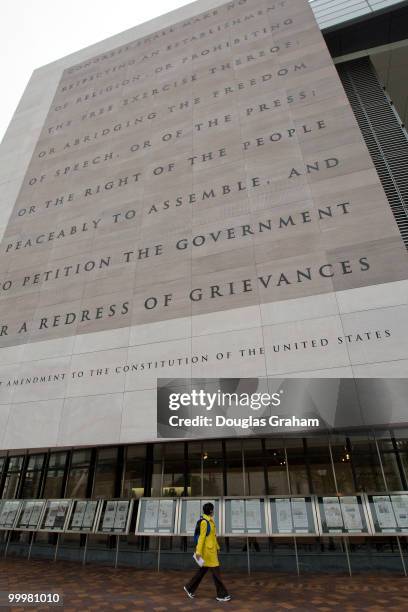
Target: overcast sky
37 32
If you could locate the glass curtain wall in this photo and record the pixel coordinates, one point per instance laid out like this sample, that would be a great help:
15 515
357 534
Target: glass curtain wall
320 465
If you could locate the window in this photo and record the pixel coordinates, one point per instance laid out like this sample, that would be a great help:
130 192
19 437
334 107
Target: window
213 477
366 463
174 470
276 468
157 470
105 473
54 478
195 464
298 476
389 460
234 467
79 474
320 466
133 483
169 470
12 478
32 478
342 465
254 467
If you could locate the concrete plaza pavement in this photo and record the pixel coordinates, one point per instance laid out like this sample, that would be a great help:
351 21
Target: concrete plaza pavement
97 587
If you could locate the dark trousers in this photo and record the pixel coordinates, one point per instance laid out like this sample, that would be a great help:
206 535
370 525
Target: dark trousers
193 585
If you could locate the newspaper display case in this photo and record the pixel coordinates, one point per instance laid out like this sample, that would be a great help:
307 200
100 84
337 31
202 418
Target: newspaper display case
190 510
343 515
293 515
157 516
84 515
30 514
388 512
245 516
114 517
8 513
55 516
274 516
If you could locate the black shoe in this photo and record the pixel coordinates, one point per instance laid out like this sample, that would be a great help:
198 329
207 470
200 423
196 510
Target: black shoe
226 598
191 595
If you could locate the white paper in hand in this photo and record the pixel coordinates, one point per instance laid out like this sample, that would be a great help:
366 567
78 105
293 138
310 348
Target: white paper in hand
199 561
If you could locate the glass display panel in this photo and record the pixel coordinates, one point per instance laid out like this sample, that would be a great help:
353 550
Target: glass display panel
8 513
83 515
342 515
30 514
115 516
156 516
245 516
56 512
292 515
389 512
192 509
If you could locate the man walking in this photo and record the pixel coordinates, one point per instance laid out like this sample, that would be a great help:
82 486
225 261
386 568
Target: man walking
207 550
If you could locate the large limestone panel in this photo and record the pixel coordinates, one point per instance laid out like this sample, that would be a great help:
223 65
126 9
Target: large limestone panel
91 419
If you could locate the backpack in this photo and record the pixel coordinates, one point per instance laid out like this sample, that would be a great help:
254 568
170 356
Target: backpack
197 529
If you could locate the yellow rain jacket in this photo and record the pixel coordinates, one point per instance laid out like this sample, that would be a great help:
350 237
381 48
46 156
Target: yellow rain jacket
207 545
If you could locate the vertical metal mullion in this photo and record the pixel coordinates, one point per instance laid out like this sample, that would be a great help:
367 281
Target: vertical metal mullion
398 459
333 467
245 493
147 486
265 467
381 463
186 469
287 471
307 464
353 469
162 474
148 471
224 466
67 469
243 467
43 477
91 473
202 467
